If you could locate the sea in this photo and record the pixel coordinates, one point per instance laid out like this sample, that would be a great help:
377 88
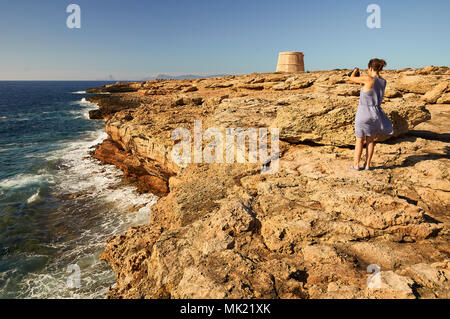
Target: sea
58 205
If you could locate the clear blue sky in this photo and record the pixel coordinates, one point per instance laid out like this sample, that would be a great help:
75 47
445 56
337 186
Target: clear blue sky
136 38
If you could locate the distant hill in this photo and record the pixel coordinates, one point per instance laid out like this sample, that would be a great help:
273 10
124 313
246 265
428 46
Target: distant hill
181 77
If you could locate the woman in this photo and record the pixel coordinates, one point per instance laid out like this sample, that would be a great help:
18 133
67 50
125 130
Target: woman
370 118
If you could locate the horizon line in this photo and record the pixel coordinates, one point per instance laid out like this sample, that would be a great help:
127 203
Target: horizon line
199 75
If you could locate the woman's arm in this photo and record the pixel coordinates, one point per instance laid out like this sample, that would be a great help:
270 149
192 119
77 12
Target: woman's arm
366 80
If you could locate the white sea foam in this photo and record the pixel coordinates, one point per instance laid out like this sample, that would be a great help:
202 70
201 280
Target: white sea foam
23 119
34 198
23 180
54 285
124 208
86 107
84 172
84 92
83 101
99 186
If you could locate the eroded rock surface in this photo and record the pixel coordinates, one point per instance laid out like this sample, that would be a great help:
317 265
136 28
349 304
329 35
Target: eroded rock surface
311 229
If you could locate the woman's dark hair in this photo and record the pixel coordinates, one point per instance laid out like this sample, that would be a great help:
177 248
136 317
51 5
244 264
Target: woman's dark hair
377 64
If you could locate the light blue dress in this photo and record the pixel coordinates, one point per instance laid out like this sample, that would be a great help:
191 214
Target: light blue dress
370 118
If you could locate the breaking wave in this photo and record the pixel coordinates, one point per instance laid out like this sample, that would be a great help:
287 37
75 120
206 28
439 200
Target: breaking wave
61 207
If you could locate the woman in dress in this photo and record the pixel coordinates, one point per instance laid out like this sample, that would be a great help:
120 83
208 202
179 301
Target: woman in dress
370 118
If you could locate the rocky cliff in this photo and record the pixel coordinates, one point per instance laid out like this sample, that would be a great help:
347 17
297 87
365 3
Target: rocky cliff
309 230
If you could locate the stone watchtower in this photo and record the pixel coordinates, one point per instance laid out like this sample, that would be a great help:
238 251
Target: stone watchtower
290 62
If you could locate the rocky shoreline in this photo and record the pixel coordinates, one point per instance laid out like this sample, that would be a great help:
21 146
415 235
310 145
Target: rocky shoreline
311 229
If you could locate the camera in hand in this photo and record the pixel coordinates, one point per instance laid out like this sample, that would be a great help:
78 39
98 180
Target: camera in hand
357 74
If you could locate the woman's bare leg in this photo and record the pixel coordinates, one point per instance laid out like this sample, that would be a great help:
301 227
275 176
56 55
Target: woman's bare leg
358 152
370 148
367 151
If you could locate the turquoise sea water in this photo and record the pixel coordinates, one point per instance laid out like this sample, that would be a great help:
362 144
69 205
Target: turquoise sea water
57 204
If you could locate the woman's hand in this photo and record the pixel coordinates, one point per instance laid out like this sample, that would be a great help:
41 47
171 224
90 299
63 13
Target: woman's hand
356 70
363 79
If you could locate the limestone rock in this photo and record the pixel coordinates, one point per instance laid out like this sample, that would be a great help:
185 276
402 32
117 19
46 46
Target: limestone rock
251 87
346 90
310 229
324 119
111 153
299 84
112 103
419 84
434 94
190 89
444 99
392 93
321 254
431 276
429 70
392 285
